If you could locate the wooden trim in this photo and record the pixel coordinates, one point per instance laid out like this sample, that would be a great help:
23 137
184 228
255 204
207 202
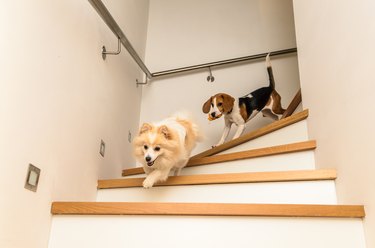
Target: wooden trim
133 171
255 134
207 209
250 177
293 105
254 153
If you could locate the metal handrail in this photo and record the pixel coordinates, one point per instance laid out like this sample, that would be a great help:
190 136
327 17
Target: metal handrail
222 62
110 21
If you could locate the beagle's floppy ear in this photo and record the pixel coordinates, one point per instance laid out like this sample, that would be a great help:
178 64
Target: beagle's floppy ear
228 102
165 131
207 106
145 128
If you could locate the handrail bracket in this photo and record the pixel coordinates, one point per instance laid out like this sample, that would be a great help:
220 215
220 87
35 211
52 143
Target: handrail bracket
104 50
141 83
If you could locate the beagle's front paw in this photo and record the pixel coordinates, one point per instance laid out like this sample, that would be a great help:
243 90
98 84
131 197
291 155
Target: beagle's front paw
218 144
148 183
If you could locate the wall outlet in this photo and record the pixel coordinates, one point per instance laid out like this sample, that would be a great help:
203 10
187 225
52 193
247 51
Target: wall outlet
102 148
32 178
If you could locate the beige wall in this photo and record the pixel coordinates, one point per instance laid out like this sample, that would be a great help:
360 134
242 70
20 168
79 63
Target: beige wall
183 33
58 98
336 60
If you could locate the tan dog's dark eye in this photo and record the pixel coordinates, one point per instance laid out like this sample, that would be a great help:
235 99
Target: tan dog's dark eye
212 105
157 148
145 147
219 104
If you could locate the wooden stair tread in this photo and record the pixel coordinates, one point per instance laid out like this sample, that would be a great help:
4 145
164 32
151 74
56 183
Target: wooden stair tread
252 177
207 209
254 153
255 134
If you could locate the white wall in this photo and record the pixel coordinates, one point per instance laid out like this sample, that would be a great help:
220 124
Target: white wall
183 33
336 60
58 98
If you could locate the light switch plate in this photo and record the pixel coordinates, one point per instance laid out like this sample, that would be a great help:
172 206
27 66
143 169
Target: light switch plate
32 178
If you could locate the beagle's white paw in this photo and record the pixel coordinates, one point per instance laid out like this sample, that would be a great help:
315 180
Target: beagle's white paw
218 144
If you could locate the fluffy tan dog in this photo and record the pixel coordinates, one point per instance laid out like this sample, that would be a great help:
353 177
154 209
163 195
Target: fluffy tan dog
165 146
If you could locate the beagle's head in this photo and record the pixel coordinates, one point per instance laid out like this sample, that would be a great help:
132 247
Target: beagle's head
218 105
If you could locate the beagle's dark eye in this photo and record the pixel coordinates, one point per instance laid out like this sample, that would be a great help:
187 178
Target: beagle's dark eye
219 104
145 147
157 148
212 105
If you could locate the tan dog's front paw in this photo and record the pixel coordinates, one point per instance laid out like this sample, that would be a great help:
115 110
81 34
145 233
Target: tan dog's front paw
147 183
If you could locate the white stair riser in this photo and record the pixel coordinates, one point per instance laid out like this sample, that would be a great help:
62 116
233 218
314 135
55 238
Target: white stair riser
194 231
296 132
309 192
283 162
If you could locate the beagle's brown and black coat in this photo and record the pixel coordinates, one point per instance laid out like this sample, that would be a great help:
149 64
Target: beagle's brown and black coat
241 110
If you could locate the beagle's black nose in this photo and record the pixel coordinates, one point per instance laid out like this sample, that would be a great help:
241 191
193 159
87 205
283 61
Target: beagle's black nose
148 159
213 114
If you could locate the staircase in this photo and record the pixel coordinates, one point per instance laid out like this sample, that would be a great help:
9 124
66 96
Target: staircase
260 190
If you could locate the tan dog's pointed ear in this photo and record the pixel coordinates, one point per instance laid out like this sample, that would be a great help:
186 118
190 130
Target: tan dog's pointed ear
145 128
165 131
207 106
228 102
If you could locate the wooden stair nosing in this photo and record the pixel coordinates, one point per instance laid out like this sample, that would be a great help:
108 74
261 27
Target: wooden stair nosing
254 153
132 171
206 209
255 134
204 179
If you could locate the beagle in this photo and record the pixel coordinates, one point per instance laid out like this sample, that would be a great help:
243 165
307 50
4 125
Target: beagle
241 110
